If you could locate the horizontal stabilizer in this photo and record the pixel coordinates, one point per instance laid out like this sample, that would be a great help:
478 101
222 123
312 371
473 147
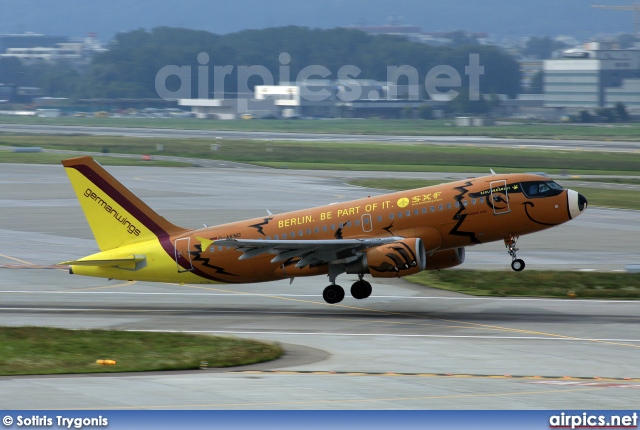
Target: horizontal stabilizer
131 262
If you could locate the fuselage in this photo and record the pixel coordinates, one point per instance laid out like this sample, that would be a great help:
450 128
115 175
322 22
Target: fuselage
444 217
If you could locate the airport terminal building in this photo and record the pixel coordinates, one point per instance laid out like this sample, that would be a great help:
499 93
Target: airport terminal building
593 77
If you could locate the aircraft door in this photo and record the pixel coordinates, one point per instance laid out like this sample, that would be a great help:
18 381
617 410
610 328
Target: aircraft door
182 254
500 197
367 224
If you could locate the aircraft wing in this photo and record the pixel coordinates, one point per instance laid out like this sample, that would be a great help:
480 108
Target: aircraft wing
308 251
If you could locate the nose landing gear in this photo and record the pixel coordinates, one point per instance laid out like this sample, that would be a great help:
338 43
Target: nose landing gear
517 264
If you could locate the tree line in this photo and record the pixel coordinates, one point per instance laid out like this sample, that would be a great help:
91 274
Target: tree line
129 68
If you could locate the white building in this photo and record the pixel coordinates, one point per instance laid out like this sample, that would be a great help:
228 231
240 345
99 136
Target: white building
76 51
593 77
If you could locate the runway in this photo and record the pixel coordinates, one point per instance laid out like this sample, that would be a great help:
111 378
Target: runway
559 144
405 347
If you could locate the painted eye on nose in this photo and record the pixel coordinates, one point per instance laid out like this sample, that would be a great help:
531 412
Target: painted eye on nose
582 202
577 203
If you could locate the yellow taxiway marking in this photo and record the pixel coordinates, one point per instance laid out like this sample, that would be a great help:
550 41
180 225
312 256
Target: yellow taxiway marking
360 401
124 284
463 323
586 380
459 323
17 259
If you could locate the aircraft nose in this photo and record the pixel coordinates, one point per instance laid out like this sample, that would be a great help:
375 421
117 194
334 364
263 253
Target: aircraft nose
577 203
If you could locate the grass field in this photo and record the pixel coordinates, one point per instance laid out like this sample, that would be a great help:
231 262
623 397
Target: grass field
49 158
350 156
533 283
361 126
40 350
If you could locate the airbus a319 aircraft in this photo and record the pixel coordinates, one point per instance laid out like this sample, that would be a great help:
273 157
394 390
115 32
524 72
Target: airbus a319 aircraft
390 235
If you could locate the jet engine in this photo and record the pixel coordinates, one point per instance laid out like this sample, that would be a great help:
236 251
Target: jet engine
445 259
401 258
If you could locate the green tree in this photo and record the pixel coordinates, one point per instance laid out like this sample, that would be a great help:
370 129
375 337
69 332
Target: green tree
462 104
621 111
542 47
626 41
12 71
608 114
537 83
58 79
585 116
461 38
130 66
425 112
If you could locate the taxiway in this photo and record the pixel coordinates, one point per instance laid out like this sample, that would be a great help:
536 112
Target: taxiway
405 347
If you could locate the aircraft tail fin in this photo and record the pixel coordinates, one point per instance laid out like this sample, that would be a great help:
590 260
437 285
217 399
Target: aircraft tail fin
116 216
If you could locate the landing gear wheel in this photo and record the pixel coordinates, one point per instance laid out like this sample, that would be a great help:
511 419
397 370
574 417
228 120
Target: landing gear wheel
333 294
517 265
361 289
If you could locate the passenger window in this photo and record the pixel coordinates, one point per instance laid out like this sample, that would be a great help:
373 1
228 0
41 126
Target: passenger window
379 218
391 216
424 210
292 234
408 213
317 230
300 233
433 208
440 207
448 205
324 228
357 223
399 214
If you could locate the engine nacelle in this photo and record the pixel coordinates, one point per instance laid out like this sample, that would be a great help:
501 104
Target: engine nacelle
445 259
401 258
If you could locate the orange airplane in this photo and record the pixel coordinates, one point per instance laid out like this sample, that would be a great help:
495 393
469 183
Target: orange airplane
391 235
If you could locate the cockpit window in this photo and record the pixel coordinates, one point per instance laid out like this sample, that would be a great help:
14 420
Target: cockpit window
541 189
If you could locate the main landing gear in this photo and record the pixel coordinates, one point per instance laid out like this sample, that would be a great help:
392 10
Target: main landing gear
333 294
516 263
361 289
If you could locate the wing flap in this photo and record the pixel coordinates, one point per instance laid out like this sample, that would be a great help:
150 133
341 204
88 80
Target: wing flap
308 251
